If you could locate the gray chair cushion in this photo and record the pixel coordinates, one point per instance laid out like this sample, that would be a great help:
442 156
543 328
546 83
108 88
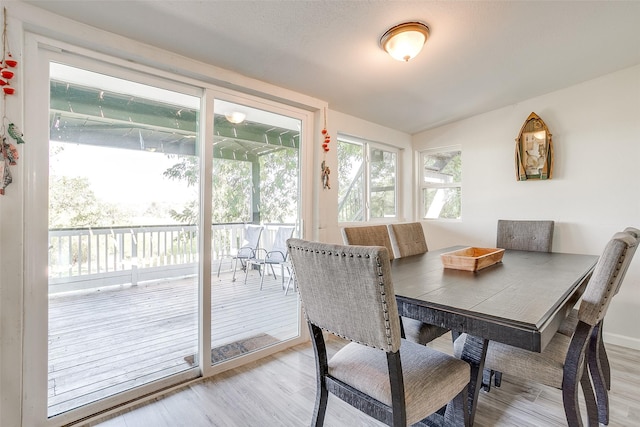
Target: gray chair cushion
545 368
568 325
430 377
422 333
525 235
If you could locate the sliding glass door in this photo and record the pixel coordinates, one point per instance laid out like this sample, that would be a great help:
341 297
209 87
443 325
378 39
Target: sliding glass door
123 257
145 195
256 164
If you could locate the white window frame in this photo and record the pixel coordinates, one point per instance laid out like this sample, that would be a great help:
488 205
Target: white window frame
368 147
424 185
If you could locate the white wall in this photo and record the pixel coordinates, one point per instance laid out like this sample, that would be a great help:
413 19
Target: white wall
594 191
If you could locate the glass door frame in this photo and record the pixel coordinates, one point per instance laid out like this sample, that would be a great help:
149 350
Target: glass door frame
38 54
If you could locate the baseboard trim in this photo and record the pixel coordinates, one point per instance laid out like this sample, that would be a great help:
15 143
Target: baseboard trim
621 340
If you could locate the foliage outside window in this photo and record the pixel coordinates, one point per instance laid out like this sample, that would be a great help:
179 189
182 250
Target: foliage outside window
441 184
367 180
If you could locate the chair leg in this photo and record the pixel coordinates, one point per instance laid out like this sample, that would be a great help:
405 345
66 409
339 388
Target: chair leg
322 368
262 276
457 412
289 281
235 267
497 381
601 382
487 376
576 374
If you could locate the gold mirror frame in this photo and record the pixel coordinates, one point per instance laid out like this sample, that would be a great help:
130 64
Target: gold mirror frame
534 150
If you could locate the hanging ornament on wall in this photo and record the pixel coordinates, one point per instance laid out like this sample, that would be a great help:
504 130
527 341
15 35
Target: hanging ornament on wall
7 63
8 151
325 171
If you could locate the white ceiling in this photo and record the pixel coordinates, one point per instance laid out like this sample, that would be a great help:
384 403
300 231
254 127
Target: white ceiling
481 55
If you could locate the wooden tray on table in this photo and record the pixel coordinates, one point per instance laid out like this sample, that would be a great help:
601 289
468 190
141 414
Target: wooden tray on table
472 259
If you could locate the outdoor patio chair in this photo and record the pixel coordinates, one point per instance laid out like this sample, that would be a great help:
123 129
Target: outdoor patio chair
379 235
250 243
566 361
348 291
277 255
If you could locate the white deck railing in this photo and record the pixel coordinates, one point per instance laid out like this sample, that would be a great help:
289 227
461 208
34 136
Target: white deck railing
83 258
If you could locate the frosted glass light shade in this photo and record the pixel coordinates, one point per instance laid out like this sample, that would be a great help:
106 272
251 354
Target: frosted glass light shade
235 117
403 42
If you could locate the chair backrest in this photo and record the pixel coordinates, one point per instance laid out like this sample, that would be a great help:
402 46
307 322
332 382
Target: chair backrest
607 277
525 235
369 235
348 291
407 239
251 240
279 249
635 233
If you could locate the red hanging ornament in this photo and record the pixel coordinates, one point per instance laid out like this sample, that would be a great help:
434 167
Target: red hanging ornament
10 62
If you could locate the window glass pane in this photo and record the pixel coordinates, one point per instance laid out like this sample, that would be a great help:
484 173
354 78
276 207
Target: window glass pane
232 190
383 183
350 181
442 167
123 250
441 203
255 198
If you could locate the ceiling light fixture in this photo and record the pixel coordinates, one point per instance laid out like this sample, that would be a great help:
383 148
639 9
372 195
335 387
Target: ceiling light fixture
403 42
235 117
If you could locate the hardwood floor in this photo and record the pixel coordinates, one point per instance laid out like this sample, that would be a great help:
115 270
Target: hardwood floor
104 341
279 390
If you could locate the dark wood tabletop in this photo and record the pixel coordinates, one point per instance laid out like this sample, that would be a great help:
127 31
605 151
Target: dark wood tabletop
520 301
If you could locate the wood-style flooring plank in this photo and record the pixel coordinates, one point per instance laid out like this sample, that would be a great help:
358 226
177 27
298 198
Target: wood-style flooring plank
279 390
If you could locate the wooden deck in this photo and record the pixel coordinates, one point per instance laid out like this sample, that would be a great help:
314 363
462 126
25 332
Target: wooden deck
108 340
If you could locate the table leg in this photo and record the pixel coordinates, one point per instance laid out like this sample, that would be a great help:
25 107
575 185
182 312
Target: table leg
474 353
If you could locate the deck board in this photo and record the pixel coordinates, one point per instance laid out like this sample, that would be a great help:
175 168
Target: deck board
104 341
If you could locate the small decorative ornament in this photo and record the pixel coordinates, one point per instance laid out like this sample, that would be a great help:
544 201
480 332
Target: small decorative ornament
325 176
325 171
7 60
10 62
15 133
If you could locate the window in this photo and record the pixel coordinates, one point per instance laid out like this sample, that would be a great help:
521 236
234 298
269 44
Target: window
367 180
441 184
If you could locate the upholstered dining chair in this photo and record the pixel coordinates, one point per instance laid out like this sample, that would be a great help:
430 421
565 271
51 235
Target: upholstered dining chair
378 235
408 239
368 235
525 235
348 291
563 363
599 366
520 235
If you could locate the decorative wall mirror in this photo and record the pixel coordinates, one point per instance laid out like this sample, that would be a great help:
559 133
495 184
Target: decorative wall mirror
534 150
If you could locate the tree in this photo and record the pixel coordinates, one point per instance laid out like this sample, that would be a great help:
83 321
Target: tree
72 203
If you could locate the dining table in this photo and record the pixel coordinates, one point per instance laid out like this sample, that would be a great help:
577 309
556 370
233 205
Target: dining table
520 301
